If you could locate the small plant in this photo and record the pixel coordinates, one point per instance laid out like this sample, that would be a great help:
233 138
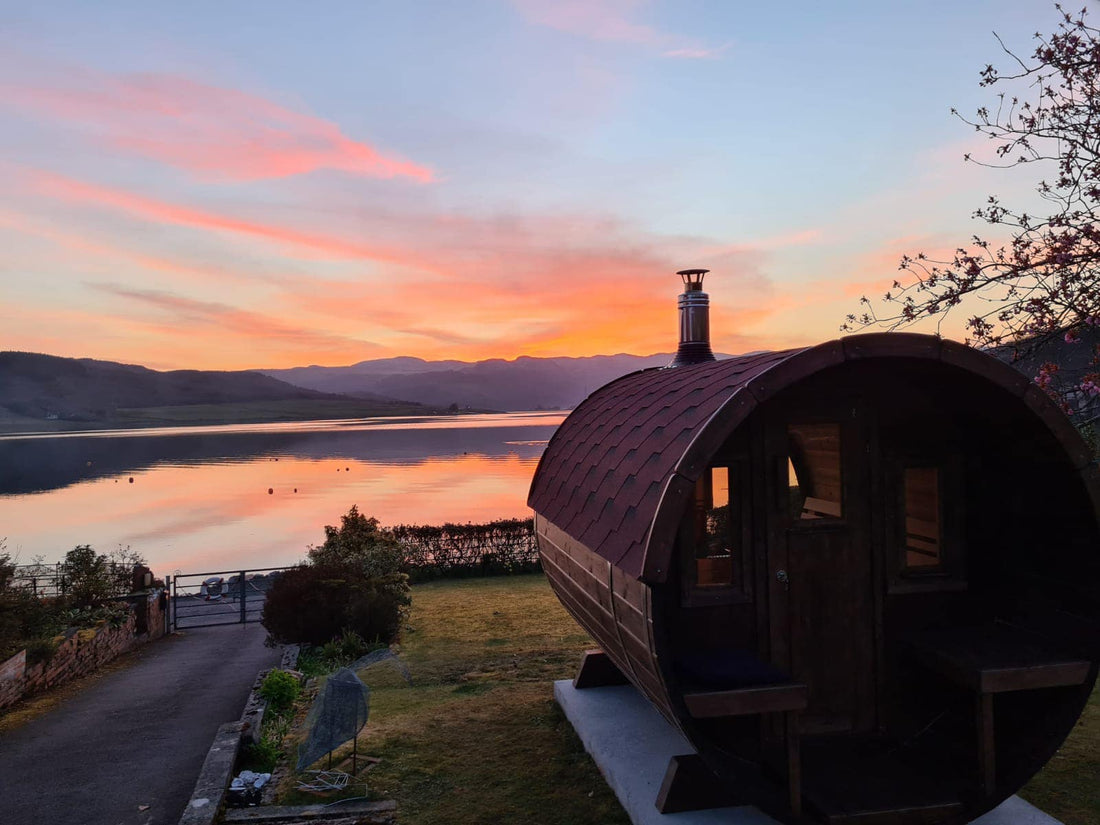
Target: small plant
280 689
41 650
262 756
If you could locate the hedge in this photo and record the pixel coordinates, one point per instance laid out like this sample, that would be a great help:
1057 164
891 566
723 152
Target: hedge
452 550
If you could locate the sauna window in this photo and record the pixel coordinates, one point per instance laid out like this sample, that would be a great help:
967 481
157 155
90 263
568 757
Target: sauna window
715 529
923 544
813 472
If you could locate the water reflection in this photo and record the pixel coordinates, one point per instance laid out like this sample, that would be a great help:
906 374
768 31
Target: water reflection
213 498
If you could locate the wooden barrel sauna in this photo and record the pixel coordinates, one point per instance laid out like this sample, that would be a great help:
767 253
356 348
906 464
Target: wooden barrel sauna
861 577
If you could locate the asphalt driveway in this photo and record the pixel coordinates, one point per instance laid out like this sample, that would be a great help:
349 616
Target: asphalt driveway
134 737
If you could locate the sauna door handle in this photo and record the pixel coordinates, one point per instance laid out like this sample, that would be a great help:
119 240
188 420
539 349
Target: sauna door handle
782 577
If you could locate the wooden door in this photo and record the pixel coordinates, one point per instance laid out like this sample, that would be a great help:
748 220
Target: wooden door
821 606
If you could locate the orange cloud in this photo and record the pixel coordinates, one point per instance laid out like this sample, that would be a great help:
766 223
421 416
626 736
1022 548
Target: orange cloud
211 131
444 286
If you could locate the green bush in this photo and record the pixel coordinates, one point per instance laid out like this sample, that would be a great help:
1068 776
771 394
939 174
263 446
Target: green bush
25 620
91 579
41 649
352 583
89 582
280 689
361 544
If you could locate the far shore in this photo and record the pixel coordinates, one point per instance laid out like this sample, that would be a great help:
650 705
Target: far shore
256 412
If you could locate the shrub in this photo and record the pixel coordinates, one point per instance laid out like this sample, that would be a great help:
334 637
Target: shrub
262 756
352 582
25 620
87 577
280 689
312 604
497 547
360 543
90 578
41 649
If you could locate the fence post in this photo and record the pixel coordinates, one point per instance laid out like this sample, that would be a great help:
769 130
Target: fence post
168 593
240 585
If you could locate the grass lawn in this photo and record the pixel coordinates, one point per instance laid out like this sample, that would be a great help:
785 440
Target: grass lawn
1068 788
477 737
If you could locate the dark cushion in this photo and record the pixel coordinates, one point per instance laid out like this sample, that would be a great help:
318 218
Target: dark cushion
726 670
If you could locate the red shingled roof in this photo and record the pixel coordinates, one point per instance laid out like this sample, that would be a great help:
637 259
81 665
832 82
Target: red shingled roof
602 475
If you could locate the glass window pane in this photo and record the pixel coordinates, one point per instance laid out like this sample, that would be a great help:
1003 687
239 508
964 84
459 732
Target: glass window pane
814 471
713 529
922 517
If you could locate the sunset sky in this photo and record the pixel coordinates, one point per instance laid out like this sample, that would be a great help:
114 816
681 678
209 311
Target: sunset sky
225 185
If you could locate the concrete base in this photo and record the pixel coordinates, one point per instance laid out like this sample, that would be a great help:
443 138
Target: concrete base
631 744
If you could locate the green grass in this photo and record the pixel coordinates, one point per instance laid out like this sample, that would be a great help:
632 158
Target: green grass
1068 788
477 737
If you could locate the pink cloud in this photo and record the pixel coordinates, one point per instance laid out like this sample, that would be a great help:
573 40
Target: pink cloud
611 21
188 314
596 19
150 209
801 237
214 132
697 52
114 251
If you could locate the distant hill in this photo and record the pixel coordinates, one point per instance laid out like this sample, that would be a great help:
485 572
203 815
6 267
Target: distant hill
82 390
523 384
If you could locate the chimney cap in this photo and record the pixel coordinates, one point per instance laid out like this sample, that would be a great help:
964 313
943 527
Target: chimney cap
693 278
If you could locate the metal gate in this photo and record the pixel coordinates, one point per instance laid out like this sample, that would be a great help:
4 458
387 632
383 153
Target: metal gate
219 597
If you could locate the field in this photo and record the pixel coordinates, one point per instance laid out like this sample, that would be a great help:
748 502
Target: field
477 737
261 412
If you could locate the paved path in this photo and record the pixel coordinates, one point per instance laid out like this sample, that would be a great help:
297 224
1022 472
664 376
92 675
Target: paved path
134 737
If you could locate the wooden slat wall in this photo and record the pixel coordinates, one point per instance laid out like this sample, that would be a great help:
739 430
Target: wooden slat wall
613 607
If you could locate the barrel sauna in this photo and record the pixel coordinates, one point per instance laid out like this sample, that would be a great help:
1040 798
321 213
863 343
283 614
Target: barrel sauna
860 577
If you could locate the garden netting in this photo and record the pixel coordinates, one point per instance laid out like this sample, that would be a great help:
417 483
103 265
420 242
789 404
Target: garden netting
336 717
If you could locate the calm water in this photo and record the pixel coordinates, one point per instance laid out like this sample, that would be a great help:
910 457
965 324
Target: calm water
199 499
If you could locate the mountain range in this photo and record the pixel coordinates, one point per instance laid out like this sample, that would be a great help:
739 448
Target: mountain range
37 389
42 392
523 384
50 392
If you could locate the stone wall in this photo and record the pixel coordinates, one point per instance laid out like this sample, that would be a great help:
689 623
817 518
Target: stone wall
84 651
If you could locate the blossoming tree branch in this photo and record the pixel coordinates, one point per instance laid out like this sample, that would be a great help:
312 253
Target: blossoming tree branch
1042 281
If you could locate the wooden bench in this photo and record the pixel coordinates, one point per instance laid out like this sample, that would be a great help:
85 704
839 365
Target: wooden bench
788 698
688 784
992 659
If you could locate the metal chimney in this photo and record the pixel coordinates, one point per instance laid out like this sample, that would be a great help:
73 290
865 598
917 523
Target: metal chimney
694 307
